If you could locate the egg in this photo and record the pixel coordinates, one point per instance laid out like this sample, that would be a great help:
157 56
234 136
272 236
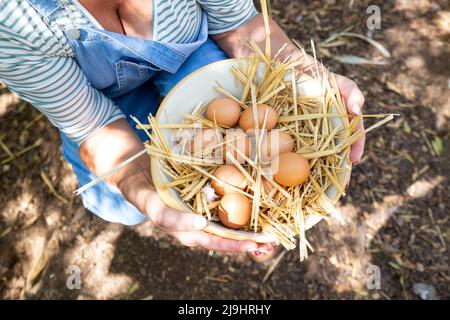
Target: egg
204 139
225 112
240 141
231 175
274 143
290 169
235 210
246 121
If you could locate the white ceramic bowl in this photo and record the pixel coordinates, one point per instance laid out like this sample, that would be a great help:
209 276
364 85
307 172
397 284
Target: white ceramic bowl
182 99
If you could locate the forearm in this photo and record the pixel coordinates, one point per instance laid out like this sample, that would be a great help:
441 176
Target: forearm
109 147
235 43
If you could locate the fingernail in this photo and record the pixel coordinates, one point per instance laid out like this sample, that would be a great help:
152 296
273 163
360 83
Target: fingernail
199 222
257 252
251 248
356 109
266 248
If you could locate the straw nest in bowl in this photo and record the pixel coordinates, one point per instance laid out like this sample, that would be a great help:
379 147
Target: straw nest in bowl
308 108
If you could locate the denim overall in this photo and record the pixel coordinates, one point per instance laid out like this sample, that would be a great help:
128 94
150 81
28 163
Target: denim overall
134 73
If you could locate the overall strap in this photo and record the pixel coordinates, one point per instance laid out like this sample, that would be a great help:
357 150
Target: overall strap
45 7
166 56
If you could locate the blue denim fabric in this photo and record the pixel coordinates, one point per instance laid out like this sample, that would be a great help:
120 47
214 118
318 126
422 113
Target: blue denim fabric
133 73
126 62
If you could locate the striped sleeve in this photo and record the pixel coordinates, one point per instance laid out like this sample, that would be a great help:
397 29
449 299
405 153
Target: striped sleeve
227 15
53 84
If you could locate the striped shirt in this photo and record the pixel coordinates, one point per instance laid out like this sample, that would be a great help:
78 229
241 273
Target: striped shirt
37 61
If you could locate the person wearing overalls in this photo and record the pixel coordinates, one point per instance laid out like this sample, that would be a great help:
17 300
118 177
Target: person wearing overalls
89 65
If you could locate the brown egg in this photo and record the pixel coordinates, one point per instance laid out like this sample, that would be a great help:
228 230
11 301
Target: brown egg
240 141
246 121
235 210
274 143
290 169
231 175
205 138
226 112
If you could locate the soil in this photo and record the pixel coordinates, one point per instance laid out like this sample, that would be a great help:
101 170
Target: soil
394 219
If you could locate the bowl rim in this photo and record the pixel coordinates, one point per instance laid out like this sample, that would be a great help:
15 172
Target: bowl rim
175 203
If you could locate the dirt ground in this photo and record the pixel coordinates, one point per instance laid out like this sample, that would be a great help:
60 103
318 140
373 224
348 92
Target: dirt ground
395 215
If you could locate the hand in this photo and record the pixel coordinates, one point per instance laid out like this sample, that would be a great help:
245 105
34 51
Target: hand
186 227
116 142
354 101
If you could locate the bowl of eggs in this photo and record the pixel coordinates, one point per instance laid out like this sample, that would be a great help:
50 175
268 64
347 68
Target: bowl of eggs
260 149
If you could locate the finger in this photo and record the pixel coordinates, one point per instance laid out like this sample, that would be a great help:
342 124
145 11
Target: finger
351 93
212 242
354 100
265 248
357 148
171 219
